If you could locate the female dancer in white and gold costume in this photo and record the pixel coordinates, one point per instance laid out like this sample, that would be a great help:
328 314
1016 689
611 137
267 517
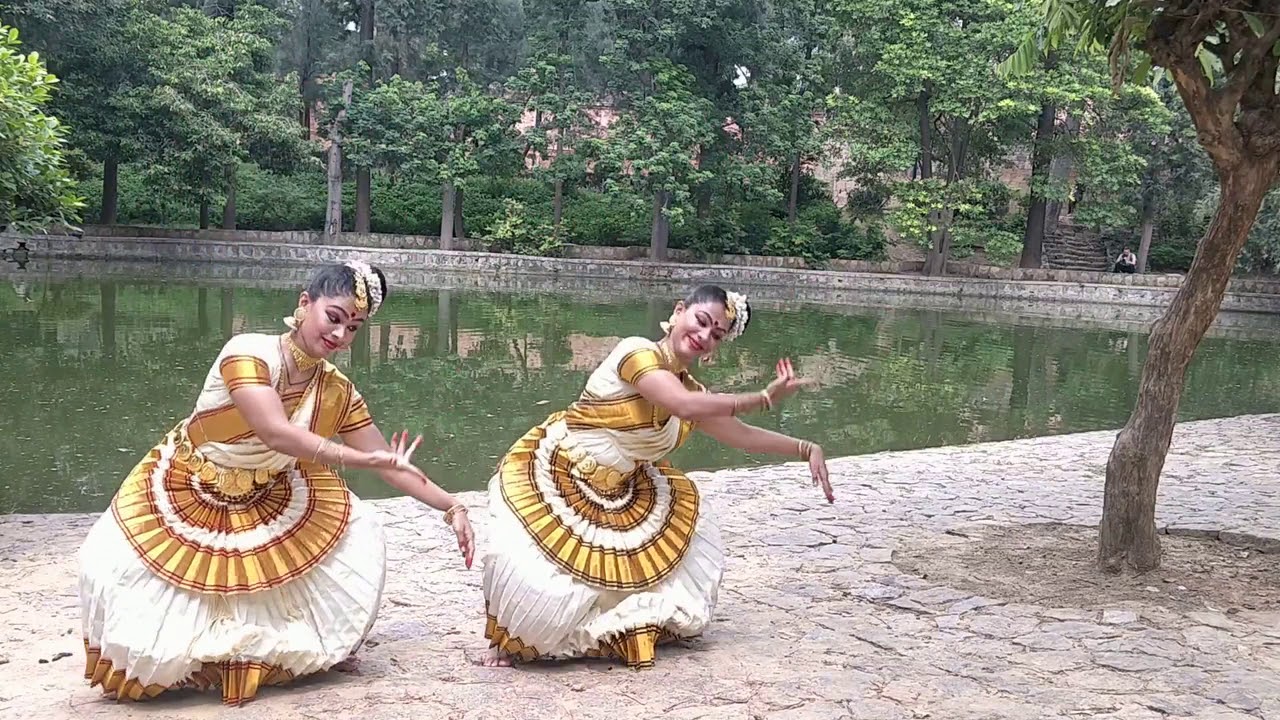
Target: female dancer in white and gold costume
233 555
598 547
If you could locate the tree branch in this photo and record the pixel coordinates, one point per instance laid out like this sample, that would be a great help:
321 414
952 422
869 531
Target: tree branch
1252 60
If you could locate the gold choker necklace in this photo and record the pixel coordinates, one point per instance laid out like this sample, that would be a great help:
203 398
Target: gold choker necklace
669 357
300 357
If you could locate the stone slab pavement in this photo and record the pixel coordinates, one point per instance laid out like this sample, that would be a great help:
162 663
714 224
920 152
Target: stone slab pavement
815 621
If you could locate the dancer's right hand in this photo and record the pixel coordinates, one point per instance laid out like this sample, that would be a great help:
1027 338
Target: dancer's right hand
399 457
466 537
787 383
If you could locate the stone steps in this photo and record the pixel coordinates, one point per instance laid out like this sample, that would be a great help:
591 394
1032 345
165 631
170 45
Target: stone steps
1074 248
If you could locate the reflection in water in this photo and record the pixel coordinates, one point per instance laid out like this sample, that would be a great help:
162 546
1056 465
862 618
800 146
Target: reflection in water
228 314
202 311
107 320
474 371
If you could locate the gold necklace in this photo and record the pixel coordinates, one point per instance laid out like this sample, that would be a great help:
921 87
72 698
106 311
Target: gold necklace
669 357
301 359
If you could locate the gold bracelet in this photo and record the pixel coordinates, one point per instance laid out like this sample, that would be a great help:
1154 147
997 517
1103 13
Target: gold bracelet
734 412
451 512
806 449
342 451
315 456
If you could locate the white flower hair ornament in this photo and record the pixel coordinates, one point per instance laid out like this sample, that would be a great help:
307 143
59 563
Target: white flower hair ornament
738 312
368 287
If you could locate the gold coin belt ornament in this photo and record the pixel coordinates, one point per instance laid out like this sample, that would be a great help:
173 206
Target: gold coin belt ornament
230 482
588 469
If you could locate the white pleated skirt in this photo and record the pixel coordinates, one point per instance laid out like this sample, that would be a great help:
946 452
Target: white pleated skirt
538 610
144 635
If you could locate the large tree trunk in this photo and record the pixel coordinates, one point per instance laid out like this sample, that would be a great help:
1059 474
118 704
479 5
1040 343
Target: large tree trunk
333 209
935 261
110 192
557 205
448 196
794 199
229 207
660 233
1148 229
364 199
459 226
304 115
1127 535
1033 236
935 264
364 177
1059 172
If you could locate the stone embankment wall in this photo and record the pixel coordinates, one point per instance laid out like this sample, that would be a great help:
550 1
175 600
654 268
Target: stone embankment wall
421 253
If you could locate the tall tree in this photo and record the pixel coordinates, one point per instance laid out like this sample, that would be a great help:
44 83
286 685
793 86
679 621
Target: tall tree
309 50
1223 60
364 180
98 50
965 117
218 102
563 130
654 145
36 190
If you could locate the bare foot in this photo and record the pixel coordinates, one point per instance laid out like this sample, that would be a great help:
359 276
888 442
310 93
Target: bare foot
350 665
495 658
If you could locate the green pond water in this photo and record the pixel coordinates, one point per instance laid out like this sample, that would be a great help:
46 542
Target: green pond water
93 372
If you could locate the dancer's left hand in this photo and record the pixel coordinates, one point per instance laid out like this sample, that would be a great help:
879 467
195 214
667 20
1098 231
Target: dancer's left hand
818 470
466 537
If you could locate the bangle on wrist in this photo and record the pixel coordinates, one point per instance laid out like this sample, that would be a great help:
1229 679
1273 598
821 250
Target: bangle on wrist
767 399
453 511
315 456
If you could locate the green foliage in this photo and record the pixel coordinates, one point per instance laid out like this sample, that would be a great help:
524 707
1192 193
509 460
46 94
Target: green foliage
218 100
653 146
417 131
516 231
709 105
36 190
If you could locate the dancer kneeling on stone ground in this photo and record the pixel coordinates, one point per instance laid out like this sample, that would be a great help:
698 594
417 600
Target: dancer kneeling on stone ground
598 547
233 555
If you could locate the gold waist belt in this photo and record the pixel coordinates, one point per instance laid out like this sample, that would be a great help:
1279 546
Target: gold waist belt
583 466
231 482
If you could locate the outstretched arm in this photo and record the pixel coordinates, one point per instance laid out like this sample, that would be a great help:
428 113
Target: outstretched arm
416 486
736 434
369 439
741 436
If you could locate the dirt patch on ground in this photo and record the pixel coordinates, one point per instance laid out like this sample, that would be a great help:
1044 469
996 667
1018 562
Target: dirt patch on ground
1053 565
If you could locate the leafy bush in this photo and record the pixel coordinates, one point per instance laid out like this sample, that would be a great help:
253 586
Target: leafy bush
608 219
519 232
516 215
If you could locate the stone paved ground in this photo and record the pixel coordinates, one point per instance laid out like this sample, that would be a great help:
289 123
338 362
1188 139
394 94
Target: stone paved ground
815 620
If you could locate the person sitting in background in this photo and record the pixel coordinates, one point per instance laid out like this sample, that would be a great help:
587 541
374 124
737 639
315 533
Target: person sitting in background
1127 262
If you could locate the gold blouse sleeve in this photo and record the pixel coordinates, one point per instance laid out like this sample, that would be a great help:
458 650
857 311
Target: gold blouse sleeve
357 416
240 371
638 363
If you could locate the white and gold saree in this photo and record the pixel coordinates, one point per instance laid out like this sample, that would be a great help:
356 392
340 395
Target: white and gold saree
224 563
597 546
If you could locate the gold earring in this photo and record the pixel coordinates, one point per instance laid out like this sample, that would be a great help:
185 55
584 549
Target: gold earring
298 315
